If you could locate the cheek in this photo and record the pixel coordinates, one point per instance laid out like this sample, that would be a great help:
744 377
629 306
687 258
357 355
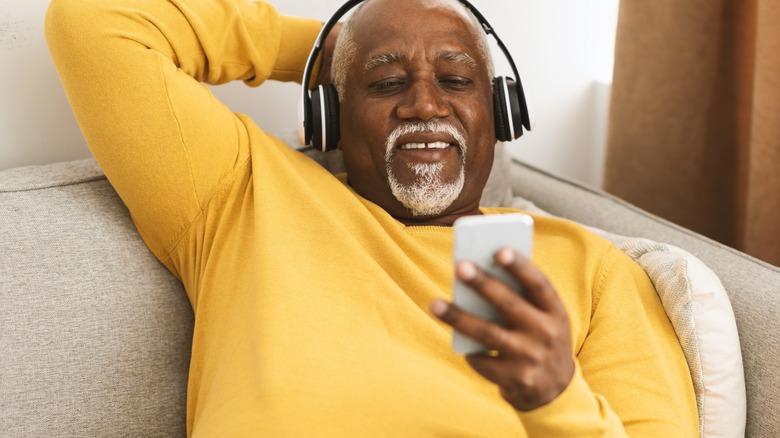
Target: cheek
482 131
480 164
476 114
362 143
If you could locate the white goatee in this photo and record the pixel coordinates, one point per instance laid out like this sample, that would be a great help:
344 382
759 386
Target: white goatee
428 195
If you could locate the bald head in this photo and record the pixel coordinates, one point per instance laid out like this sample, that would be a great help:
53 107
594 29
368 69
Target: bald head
371 14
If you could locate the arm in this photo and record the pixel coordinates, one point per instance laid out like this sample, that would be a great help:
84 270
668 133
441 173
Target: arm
630 356
132 71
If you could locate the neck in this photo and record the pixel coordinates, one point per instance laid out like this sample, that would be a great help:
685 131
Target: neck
445 220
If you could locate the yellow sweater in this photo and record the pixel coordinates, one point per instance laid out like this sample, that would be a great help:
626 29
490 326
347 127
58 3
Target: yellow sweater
311 302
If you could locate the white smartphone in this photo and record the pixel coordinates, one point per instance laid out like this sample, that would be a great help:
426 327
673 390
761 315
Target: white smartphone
478 238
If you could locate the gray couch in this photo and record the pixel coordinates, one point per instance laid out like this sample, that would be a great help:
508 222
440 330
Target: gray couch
95 333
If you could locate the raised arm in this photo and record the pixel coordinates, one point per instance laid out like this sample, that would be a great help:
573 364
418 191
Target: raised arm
132 70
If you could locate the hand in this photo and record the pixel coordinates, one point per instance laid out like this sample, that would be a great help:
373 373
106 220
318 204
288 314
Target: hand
326 55
534 363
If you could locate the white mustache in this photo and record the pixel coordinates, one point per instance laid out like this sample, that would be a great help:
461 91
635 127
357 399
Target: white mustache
432 126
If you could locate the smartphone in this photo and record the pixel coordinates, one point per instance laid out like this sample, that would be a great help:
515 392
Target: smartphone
478 238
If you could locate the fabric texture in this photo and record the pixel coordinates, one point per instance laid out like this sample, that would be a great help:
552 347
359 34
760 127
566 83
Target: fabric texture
694 132
94 332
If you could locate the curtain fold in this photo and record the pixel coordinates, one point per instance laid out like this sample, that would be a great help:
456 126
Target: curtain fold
694 128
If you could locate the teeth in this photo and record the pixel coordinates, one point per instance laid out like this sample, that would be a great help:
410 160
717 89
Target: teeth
434 145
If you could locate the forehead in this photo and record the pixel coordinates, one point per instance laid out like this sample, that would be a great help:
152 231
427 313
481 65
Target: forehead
404 26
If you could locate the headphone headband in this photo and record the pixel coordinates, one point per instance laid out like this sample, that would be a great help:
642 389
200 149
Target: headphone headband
320 41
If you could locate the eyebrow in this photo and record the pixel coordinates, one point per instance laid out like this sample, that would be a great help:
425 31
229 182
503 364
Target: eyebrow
384 59
398 57
457 56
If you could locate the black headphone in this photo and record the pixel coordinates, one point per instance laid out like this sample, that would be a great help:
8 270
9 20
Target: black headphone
318 117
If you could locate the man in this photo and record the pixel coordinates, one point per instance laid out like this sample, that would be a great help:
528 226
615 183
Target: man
314 297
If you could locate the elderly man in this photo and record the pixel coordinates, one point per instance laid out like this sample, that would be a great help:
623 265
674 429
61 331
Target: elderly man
322 303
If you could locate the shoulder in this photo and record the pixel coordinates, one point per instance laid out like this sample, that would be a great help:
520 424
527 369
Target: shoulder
556 237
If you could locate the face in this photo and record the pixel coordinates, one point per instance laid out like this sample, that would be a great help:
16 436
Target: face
417 128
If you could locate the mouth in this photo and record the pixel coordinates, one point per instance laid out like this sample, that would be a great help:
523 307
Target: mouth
425 142
428 142
427 151
432 145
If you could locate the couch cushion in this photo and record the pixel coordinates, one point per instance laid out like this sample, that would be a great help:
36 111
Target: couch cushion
95 334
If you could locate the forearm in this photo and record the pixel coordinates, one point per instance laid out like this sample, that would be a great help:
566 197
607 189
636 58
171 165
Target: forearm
631 355
213 41
631 377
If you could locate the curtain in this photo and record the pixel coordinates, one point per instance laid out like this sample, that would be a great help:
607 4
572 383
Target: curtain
694 125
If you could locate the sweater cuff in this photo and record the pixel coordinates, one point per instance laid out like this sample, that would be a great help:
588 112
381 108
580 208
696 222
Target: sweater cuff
297 39
575 412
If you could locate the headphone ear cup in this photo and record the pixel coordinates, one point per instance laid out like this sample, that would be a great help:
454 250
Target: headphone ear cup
507 109
332 118
325 118
499 110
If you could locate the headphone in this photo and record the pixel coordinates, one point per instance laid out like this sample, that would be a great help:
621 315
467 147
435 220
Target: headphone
318 114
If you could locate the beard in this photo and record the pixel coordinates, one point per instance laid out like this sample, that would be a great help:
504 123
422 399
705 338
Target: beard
428 195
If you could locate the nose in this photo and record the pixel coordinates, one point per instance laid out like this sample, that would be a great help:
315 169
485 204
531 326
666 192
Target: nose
423 100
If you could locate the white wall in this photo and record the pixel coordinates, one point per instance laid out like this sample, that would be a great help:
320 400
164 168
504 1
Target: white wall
563 49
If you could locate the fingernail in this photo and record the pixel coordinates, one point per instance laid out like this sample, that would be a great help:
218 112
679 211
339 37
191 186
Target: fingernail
439 307
506 256
467 270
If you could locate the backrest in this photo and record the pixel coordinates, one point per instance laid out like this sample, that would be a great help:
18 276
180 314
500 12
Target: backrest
94 333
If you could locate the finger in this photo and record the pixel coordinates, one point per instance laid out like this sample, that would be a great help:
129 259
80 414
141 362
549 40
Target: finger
485 332
512 307
537 288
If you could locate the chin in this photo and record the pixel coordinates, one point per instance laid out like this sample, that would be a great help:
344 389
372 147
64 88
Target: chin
428 196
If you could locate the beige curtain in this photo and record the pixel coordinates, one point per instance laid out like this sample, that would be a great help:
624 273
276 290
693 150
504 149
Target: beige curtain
694 131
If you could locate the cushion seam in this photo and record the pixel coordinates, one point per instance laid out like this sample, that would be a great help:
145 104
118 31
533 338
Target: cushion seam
55 185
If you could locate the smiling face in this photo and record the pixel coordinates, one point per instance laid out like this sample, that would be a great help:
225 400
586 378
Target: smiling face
417 128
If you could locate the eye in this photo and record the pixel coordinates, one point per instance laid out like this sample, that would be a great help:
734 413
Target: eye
387 85
456 82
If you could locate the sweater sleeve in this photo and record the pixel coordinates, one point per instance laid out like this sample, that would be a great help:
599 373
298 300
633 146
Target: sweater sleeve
631 377
133 71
